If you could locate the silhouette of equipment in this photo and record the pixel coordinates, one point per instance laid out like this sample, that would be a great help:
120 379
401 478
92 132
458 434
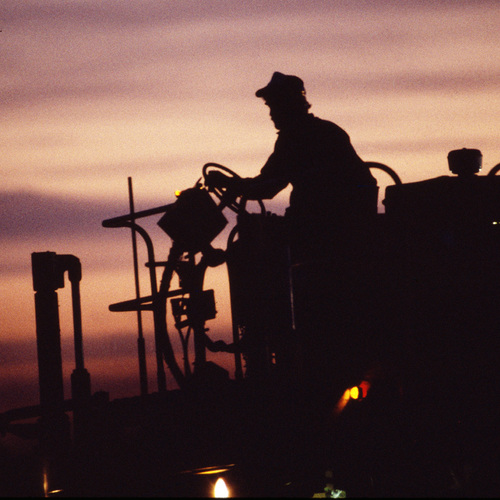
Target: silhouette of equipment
48 276
432 387
236 203
48 270
192 222
448 242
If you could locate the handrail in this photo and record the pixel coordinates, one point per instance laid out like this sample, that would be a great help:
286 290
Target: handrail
124 221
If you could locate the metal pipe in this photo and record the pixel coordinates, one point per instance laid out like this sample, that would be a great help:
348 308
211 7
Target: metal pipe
159 347
47 278
121 220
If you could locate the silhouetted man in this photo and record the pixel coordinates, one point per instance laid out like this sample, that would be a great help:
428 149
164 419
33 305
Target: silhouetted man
332 186
333 200
334 194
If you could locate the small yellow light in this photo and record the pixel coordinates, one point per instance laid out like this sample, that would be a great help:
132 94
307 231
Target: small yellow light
220 489
209 470
45 475
356 392
177 193
212 471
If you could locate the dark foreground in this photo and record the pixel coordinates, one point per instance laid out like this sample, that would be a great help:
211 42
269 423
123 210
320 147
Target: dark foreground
178 444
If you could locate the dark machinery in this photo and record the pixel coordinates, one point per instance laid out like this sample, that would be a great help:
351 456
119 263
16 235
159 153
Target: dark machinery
434 253
192 222
446 241
431 405
256 257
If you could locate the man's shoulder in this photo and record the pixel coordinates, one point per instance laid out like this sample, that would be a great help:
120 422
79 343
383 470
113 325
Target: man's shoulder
327 126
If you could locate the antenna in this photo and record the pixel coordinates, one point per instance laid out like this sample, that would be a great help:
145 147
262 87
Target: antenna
143 374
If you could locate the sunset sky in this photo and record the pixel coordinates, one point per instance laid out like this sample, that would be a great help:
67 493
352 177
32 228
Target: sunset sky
95 92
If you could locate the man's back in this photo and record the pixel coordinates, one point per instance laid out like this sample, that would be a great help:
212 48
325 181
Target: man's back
332 186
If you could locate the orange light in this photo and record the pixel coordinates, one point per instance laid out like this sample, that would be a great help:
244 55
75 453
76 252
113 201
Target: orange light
220 489
341 403
212 471
356 392
177 193
209 470
359 391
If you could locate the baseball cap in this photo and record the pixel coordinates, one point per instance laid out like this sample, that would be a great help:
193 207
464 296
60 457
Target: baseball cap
281 86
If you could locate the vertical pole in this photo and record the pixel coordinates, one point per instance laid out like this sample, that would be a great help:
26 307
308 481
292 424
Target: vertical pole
143 375
196 314
80 378
77 325
55 437
49 352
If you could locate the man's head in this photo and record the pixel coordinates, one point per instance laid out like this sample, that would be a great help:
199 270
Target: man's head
286 97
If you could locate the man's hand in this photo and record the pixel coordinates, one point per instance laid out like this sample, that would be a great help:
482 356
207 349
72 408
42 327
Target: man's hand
218 180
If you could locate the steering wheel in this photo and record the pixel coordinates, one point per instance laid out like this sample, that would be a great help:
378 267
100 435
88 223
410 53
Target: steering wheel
238 204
